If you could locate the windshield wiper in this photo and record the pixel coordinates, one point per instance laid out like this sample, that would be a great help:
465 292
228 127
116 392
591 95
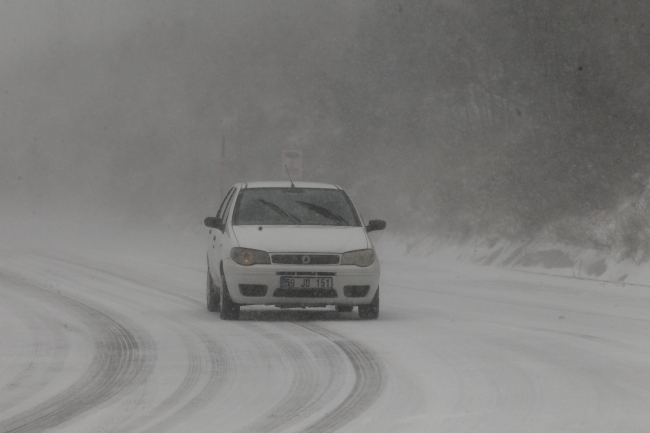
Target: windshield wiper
324 212
279 210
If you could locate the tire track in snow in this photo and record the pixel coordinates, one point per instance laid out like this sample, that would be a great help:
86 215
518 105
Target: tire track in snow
122 355
307 406
209 361
217 371
32 364
318 376
307 396
368 385
106 272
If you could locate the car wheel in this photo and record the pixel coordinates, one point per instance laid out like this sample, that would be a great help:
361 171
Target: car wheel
370 311
344 308
212 295
229 310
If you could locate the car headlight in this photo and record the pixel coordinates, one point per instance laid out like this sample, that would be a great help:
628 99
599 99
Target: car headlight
248 257
360 258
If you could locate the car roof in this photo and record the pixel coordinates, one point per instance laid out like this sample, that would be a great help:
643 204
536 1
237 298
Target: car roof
287 184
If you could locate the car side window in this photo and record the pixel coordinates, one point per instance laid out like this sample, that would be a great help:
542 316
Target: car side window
228 206
224 203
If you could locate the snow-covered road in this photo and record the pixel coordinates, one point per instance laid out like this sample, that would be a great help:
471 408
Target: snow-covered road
117 343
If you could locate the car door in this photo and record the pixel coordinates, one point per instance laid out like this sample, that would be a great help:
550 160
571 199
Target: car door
214 243
227 238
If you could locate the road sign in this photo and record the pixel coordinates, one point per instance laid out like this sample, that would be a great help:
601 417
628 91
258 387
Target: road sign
293 160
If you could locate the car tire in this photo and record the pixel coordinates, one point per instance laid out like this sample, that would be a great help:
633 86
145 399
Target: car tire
370 311
212 295
229 309
344 308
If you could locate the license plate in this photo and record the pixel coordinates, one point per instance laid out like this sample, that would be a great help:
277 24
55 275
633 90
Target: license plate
306 282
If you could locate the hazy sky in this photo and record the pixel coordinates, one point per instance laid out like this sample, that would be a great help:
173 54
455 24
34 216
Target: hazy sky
450 105
110 97
28 27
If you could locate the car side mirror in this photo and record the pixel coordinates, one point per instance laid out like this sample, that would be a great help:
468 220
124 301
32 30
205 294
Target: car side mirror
375 225
213 222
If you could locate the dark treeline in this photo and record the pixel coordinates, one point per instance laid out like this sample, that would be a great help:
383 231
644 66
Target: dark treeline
513 114
465 117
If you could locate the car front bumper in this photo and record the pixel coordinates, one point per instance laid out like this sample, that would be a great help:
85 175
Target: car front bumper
260 284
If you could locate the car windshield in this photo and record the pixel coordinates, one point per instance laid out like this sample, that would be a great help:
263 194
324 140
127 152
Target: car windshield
294 206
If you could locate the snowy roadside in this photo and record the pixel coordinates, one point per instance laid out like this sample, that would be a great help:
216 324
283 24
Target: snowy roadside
535 257
184 242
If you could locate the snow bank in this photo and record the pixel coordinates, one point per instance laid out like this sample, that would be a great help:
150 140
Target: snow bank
532 256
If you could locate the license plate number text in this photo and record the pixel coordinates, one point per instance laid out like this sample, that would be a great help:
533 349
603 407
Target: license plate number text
306 282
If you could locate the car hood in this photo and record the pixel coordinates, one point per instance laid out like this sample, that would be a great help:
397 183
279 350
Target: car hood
301 239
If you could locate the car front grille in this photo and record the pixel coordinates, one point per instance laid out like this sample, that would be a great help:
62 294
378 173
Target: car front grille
306 259
305 293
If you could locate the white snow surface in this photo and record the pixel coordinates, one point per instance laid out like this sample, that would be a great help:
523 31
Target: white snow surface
102 336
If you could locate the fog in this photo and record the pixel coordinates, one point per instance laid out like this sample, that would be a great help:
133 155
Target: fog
455 117
505 142
123 108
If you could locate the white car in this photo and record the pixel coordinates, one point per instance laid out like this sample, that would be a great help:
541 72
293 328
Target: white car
291 244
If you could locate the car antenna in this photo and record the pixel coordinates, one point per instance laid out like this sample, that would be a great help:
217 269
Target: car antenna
292 185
